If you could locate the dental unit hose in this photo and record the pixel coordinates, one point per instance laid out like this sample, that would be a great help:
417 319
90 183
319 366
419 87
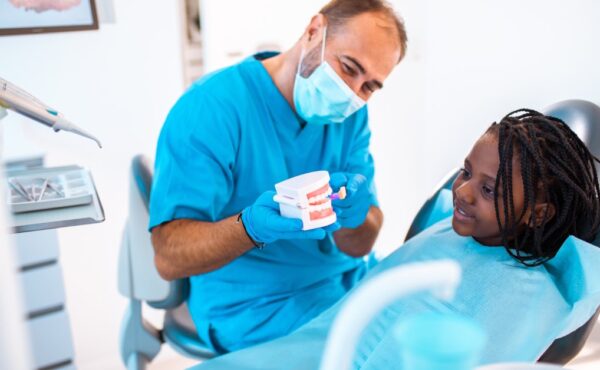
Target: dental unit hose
13 98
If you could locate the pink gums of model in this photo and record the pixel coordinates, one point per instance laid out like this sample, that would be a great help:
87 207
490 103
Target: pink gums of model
306 197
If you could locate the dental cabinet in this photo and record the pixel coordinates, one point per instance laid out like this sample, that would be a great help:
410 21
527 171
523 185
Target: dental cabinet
35 238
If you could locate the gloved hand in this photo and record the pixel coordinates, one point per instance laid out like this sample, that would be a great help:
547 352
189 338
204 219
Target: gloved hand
352 211
264 223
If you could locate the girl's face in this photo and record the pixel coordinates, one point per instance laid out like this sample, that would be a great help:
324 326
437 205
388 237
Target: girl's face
473 193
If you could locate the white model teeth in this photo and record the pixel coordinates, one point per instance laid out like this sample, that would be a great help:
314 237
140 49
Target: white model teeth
318 198
320 207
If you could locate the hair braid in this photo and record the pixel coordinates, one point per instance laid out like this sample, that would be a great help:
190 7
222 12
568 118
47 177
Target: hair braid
557 168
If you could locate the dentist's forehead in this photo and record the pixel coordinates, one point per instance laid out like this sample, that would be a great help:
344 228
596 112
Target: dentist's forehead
371 39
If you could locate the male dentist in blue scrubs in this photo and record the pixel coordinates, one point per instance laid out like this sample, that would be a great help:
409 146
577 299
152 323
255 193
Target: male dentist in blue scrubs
255 275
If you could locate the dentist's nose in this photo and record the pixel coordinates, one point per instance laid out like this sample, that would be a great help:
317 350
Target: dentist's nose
356 86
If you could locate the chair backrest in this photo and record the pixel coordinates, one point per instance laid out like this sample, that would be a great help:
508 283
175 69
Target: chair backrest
429 214
584 118
138 277
562 349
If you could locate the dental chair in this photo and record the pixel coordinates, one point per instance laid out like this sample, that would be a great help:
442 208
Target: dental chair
140 282
583 118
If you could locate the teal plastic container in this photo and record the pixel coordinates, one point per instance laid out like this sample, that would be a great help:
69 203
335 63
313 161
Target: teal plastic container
434 341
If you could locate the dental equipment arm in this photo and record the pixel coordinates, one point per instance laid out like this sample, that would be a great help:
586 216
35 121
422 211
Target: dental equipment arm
13 98
441 277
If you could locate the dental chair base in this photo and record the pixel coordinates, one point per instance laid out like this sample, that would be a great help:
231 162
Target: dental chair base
140 341
140 283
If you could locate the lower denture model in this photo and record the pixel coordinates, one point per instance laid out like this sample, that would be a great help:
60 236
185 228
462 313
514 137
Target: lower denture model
308 198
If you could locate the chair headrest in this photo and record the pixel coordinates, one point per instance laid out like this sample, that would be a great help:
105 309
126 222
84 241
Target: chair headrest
583 117
142 172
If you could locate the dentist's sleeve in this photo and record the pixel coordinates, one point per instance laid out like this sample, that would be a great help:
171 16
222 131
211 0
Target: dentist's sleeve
194 160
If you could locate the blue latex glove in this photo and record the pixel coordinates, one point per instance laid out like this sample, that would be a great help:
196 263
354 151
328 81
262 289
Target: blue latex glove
352 211
264 223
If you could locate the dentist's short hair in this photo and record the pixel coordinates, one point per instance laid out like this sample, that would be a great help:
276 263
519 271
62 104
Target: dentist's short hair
339 12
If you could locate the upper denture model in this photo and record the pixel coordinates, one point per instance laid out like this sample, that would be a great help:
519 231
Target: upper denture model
306 197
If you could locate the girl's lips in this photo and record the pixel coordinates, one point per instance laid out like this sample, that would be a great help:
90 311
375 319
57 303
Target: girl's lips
461 214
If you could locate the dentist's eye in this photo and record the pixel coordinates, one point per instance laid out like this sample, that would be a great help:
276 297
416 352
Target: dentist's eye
369 88
349 70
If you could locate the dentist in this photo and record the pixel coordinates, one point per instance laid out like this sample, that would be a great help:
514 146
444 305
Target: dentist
255 275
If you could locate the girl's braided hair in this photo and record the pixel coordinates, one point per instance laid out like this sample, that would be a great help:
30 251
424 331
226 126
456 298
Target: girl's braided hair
556 168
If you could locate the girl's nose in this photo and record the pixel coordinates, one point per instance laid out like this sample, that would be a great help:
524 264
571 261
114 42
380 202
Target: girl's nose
465 193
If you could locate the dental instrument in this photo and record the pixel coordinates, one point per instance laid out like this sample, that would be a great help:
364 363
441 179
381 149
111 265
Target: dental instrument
19 188
441 277
44 186
16 99
306 197
341 194
70 188
55 189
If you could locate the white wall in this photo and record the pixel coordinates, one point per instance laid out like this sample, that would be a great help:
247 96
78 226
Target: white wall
118 83
469 63
234 29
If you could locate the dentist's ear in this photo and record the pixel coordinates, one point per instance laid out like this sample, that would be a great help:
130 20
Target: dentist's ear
542 213
315 28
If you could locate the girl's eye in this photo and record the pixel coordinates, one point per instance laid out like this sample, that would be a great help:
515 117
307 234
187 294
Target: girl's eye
465 173
488 191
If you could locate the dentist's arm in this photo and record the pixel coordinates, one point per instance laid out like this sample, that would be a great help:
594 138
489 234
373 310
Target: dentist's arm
360 220
359 242
189 247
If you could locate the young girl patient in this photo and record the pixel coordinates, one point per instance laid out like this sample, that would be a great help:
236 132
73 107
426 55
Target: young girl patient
526 204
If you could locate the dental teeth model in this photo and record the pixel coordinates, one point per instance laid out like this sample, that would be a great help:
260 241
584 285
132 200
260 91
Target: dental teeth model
308 198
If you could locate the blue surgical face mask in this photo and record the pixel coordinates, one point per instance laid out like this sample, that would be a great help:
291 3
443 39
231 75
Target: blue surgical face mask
323 97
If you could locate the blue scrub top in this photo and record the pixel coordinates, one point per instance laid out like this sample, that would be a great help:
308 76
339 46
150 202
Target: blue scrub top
228 139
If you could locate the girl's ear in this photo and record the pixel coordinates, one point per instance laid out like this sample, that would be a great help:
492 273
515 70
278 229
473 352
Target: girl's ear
542 212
